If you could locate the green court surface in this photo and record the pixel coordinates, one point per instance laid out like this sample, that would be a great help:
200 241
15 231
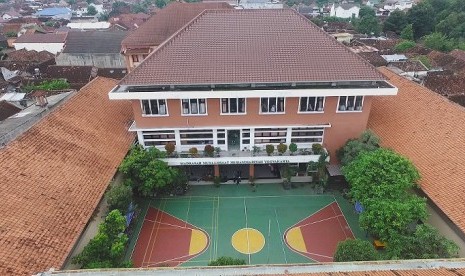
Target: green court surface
222 211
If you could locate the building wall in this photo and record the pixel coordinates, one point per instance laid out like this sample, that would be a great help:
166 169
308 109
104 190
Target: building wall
344 125
342 13
53 48
97 60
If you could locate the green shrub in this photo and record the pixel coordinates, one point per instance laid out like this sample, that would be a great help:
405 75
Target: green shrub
170 148
282 148
404 46
293 148
225 261
355 250
193 151
209 150
269 149
119 197
317 148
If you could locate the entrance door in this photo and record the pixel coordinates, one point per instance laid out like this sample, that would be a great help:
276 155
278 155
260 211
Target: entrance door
234 139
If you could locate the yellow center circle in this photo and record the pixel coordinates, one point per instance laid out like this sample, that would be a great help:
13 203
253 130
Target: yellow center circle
248 240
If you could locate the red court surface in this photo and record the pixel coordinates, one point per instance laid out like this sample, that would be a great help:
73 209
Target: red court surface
165 240
316 237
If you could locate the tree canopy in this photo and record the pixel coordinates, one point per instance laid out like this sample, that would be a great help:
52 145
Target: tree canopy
146 171
91 10
352 250
396 22
425 243
367 141
106 249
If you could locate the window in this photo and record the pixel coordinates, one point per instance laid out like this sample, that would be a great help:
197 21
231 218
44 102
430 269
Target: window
350 103
135 58
311 104
154 108
272 105
194 106
233 106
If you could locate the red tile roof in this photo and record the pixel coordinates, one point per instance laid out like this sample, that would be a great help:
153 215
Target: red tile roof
446 85
250 46
42 38
166 22
446 61
54 175
130 21
460 54
429 130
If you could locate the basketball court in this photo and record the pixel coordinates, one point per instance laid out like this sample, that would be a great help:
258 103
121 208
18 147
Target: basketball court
269 226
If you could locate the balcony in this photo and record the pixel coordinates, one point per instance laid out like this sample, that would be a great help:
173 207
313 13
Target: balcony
241 157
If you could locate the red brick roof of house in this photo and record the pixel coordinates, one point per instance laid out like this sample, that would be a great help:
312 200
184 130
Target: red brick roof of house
130 21
54 175
446 85
42 38
460 54
251 46
446 62
166 22
428 129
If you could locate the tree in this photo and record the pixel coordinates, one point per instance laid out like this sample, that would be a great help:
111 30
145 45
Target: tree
396 22
380 174
91 10
368 25
106 249
367 141
160 3
225 261
425 243
453 26
388 218
421 17
147 173
119 197
438 41
407 32
352 250
404 46
366 11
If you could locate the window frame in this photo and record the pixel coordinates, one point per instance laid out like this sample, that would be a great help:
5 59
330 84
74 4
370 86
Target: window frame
268 103
229 107
135 58
346 101
316 101
158 108
190 107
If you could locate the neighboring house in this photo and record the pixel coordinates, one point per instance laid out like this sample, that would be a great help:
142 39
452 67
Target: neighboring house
11 14
392 5
394 58
55 174
411 124
52 43
448 85
129 22
372 3
7 109
411 68
260 4
55 13
443 61
311 10
231 81
138 44
384 46
89 25
344 10
76 76
93 48
343 37
374 58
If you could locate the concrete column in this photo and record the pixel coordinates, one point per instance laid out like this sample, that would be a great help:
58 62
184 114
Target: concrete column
252 170
217 170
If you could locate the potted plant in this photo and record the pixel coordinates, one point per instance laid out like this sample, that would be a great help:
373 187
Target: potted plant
217 151
256 150
269 149
317 148
193 151
209 150
170 147
293 148
252 183
287 172
282 148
